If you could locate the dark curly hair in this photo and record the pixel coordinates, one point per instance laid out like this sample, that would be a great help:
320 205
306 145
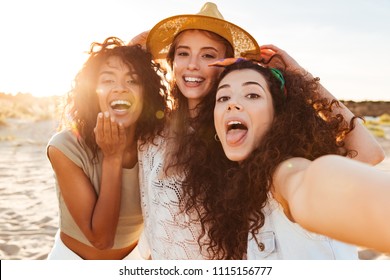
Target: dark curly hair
229 197
82 104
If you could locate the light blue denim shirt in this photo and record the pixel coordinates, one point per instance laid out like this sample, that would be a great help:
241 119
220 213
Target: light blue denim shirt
285 240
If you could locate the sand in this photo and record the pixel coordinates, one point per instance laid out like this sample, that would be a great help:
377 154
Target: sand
28 204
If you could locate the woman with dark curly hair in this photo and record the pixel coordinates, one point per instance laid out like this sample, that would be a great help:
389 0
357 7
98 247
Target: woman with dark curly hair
279 170
118 99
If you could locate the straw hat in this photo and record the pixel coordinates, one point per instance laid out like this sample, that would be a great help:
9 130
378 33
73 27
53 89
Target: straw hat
209 18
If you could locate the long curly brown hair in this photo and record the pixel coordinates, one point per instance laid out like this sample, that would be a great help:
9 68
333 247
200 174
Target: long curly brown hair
228 197
82 106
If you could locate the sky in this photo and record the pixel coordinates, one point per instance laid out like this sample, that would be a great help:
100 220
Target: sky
43 43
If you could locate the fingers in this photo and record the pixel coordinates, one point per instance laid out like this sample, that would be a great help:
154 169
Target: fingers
110 136
284 60
107 129
107 126
99 128
270 50
267 52
269 46
140 39
121 134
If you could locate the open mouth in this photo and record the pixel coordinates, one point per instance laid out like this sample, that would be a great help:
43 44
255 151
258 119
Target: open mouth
120 105
236 125
235 132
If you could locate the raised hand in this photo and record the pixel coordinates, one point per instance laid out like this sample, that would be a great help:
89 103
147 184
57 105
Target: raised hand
140 39
281 60
110 136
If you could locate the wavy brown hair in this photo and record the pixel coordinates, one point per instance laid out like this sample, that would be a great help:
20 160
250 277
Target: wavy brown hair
82 106
180 119
228 197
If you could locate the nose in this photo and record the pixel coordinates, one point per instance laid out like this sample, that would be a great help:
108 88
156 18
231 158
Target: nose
120 87
232 105
193 64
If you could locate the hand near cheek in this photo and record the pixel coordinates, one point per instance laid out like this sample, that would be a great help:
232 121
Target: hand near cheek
110 136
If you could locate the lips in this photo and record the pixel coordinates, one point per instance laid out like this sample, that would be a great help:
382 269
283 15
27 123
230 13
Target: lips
236 130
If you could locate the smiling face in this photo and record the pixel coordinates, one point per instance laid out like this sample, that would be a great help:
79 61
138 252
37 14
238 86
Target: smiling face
119 91
193 53
243 112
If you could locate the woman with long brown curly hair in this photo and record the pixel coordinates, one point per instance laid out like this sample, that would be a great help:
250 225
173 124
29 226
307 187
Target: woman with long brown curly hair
279 172
117 99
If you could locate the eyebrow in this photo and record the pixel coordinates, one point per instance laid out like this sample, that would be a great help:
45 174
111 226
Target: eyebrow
223 86
130 73
203 48
253 83
244 84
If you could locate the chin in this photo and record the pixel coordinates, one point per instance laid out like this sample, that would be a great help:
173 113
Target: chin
236 156
126 122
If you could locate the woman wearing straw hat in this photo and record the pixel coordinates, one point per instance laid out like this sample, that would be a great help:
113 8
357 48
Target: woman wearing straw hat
189 43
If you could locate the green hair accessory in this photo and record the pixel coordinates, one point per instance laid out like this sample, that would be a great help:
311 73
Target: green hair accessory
279 76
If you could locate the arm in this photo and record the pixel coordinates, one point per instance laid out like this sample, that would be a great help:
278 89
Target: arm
140 39
360 139
96 215
337 197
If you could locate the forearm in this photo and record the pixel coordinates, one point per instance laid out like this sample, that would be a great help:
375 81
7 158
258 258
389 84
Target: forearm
345 200
359 139
106 213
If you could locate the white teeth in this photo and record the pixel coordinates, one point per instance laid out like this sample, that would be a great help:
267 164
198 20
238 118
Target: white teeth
193 79
236 125
233 122
120 102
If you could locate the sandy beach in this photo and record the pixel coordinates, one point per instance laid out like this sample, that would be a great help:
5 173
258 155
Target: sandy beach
28 205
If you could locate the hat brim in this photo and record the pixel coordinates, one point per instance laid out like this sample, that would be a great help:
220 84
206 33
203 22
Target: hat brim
162 34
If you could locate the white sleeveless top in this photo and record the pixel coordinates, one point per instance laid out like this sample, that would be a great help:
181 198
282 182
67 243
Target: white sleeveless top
168 232
285 240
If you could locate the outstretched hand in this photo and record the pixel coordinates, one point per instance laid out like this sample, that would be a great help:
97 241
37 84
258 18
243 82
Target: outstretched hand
110 136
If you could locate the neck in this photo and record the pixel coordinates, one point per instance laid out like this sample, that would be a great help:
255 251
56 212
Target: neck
130 136
192 107
130 154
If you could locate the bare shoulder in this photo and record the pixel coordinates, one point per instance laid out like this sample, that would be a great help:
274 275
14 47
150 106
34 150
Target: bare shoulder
286 181
59 160
290 167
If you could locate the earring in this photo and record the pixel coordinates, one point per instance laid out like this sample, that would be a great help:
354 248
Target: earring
216 137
